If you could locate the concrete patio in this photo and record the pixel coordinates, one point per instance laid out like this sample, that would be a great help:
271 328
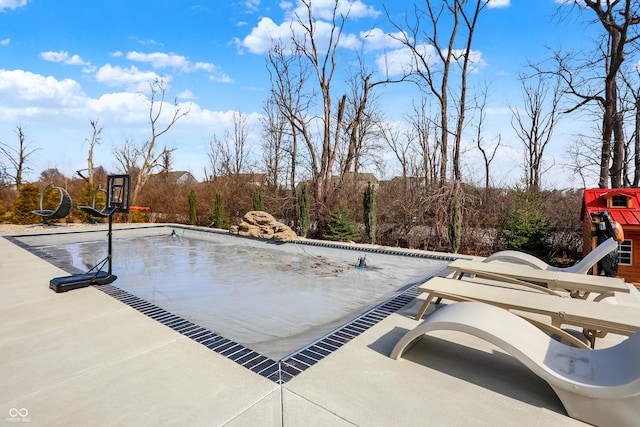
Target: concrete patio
84 358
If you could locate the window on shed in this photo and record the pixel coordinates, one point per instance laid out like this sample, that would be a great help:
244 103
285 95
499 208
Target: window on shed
625 252
619 202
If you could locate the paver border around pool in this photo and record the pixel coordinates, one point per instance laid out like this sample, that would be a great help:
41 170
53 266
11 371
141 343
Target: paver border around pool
280 371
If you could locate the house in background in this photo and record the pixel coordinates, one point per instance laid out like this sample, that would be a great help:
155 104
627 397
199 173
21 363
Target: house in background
175 177
623 204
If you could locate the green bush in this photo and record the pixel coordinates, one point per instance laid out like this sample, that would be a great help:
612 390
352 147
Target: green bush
3 213
28 200
218 217
258 204
455 222
370 206
193 203
341 227
137 217
303 212
524 227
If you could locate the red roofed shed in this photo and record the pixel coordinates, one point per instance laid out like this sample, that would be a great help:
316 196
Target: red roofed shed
624 206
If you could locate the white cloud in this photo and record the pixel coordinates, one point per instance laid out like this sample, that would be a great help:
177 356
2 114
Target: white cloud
498 3
476 60
42 103
206 66
186 94
149 42
261 38
348 41
179 62
132 78
401 61
30 95
323 9
63 57
220 78
5 42
160 60
502 111
24 86
214 120
119 107
376 39
11 4
358 9
252 5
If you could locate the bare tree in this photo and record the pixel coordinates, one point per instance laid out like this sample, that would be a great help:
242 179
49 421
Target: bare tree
289 78
300 66
630 105
448 20
274 140
167 160
328 130
361 120
584 154
18 156
395 138
422 136
324 65
95 140
128 155
52 175
436 45
230 155
636 139
535 122
488 153
619 20
152 158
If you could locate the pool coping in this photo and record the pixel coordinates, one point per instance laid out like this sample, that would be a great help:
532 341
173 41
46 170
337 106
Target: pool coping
279 371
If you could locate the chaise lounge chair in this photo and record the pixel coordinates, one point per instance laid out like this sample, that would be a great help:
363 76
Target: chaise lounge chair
579 285
595 318
581 267
61 211
600 387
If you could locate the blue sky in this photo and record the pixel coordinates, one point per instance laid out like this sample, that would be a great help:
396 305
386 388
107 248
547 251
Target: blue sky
63 63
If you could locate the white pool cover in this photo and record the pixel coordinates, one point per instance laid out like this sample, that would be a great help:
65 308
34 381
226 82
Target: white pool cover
272 298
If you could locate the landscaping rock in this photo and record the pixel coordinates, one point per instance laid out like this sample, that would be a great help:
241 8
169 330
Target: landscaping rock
262 225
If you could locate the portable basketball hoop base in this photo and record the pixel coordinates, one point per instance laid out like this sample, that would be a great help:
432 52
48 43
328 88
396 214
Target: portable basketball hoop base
118 191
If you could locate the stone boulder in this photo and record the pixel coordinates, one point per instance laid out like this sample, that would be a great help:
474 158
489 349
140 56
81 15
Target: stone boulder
264 226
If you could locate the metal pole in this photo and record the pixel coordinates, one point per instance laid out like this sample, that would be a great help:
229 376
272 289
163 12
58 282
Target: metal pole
109 239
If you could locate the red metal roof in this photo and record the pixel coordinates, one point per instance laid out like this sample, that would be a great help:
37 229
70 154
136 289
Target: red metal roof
595 200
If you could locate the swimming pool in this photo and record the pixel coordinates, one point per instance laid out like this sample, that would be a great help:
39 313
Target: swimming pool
272 298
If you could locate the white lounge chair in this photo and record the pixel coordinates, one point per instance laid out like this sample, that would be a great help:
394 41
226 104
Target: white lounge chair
579 285
600 387
581 267
595 318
